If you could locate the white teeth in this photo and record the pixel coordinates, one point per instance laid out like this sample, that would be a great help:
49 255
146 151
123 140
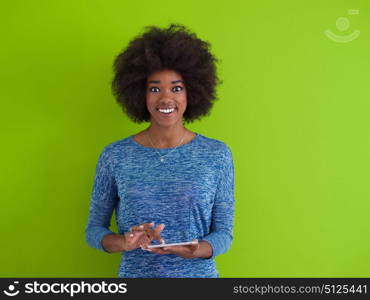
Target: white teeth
166 111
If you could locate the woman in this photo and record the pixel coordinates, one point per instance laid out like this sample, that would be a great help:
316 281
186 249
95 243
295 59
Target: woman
165 174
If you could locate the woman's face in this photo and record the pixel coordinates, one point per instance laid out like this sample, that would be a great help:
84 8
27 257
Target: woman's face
165 91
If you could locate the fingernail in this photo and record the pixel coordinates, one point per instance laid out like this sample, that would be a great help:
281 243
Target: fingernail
162 241
165 248
131 235
141 226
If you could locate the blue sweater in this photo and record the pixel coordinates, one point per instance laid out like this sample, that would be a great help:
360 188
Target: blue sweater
191 192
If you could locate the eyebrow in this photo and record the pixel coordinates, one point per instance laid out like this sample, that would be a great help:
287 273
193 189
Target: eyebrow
158 81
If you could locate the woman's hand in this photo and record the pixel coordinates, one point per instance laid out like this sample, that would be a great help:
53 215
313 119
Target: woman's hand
185 251
153 234
142 235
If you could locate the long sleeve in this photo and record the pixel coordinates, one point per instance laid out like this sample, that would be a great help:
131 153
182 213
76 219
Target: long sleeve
221 234
104 199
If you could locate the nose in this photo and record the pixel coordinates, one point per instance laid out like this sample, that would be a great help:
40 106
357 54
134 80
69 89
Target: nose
166 99
166 93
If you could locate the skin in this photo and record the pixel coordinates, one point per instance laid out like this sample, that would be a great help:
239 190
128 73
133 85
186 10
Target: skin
165 88
141 235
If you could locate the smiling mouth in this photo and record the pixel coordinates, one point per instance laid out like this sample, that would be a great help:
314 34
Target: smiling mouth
167 111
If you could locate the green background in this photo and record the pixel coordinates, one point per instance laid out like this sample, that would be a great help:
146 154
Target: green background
294 109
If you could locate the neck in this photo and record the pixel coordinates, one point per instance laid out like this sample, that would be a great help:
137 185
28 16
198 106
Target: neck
166 137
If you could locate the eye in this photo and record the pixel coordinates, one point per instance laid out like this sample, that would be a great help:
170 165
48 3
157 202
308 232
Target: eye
153 89
177 88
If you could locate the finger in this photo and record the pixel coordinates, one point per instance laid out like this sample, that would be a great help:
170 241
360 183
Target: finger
137 231
157 231
147 227
173 249
144 241
136 228
144 246
177 249
158 251
159 228
167 250
196 246
137 236
149 232
160 239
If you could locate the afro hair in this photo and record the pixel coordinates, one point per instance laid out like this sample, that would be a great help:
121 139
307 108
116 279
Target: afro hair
174 48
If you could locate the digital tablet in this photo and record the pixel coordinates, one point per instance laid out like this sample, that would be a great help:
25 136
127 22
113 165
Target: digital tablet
173 244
